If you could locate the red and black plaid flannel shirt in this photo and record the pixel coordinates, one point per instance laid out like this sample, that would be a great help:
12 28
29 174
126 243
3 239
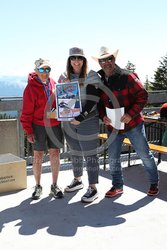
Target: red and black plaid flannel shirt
123 90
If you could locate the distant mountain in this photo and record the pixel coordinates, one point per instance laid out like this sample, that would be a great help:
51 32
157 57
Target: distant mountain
12 86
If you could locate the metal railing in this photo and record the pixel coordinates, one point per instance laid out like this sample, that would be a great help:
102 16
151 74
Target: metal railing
25 150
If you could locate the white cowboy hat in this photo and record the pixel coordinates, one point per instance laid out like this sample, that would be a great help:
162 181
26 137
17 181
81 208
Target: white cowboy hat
104 53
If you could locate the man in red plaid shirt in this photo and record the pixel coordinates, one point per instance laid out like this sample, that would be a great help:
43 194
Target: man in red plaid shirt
123 89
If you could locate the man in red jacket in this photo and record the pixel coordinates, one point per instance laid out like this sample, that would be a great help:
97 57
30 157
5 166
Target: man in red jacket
42 131
123 90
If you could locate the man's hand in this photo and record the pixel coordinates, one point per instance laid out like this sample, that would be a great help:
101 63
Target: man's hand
106 120
126 118
31 138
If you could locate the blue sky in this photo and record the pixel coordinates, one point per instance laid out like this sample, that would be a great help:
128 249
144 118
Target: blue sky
48 28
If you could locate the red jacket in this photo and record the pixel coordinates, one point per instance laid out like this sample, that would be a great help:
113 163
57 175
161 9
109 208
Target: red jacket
36 104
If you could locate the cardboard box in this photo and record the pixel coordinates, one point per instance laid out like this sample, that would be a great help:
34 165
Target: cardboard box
13 173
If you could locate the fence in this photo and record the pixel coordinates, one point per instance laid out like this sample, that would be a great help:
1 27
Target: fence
156 98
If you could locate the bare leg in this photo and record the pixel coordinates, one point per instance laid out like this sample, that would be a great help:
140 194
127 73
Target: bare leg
54 155
37 163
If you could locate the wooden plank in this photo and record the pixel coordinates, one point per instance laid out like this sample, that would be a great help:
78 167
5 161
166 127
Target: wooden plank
153 147
103 136
158 148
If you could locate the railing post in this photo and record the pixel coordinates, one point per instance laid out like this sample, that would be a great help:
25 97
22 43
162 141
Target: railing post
21 137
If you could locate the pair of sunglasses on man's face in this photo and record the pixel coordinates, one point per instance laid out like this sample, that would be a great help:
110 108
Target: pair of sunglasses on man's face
109 59
79 58
44 70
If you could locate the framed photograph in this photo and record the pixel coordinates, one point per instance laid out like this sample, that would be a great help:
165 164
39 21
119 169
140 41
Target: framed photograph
68 101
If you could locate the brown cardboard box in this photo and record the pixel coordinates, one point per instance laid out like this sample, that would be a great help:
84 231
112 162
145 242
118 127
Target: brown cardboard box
13 174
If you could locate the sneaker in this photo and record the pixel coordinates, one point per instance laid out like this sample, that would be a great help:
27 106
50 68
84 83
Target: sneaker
75 185
56 191
90 195
153 190
37 192
114 192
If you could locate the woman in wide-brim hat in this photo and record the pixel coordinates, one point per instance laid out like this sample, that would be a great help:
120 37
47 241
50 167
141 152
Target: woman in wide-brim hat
82 132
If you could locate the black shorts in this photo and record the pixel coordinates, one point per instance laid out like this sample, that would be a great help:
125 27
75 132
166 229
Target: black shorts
47 137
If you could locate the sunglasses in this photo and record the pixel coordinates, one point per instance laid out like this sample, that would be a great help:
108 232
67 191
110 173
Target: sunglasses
42 70
79 58
109 59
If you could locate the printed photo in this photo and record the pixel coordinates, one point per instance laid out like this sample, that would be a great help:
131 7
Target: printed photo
68 101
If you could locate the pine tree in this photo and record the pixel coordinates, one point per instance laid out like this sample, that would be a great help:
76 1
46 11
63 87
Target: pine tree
160 76
130 66
146 84
5 116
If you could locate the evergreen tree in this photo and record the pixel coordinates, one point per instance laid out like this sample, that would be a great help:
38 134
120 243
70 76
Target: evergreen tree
5 116
146 84
130 66
160 76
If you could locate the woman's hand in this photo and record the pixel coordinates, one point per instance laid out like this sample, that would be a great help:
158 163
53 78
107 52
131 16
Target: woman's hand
31 138
74 122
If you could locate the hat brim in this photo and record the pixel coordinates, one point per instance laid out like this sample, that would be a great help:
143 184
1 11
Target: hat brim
77 55
97 58
44 65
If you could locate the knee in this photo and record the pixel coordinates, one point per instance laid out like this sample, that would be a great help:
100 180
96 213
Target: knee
38 157
54 152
